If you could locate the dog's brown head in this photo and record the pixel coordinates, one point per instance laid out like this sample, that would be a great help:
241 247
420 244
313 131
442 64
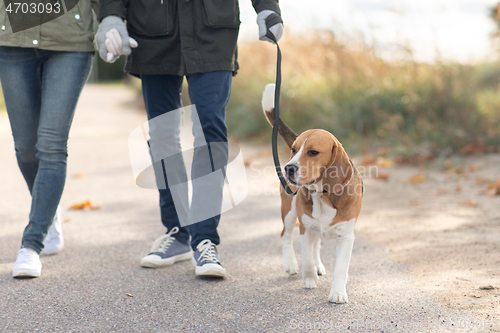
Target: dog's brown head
317 155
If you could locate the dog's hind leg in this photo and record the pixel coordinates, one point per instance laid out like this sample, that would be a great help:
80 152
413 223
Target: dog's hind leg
320 268
289 260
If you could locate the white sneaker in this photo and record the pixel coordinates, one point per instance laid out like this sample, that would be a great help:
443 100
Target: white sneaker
54 241
27 264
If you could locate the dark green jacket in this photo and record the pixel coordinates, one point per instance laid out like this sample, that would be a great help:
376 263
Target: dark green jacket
182 37
72 31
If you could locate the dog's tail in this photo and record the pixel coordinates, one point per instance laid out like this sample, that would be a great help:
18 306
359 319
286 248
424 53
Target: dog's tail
268 105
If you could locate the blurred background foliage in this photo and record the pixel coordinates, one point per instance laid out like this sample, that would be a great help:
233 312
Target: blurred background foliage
103 72
2 102
348 89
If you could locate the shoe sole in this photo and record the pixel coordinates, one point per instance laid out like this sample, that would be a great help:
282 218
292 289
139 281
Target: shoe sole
25 274
211 270
52 251
155 261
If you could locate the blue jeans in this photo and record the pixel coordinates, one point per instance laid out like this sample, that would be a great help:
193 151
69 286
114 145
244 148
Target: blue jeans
41 89
209 92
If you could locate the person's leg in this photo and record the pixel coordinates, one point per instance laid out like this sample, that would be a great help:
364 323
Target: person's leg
20 76
209 92
63 76
21 73
161 95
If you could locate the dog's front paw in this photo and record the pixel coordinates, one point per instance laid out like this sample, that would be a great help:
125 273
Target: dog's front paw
338 297
311 282
321 269
291 266
292 269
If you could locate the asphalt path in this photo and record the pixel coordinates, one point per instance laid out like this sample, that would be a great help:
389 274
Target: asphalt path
97 285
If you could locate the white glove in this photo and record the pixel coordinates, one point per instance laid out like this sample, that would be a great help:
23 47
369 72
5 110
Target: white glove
112 39
276 29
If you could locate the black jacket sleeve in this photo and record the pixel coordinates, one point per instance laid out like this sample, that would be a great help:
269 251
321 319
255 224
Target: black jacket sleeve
260 5
113 7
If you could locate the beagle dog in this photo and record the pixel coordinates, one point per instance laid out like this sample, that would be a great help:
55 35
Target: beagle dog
327 204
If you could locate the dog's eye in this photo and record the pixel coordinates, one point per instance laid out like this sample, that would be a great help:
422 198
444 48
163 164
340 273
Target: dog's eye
312 153
293 151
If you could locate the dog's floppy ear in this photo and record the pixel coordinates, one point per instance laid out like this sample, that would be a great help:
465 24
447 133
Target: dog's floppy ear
340 171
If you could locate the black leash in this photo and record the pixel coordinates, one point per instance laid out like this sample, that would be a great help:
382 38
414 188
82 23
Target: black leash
271 20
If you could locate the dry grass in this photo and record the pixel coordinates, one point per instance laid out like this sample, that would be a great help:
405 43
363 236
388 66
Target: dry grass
2 102
351 91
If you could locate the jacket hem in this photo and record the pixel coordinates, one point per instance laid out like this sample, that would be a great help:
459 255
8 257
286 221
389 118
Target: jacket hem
141 69
62 48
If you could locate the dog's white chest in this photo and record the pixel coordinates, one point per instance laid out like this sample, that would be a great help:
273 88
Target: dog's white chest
322 215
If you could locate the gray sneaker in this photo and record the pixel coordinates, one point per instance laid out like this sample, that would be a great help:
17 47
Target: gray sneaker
166 251
206 260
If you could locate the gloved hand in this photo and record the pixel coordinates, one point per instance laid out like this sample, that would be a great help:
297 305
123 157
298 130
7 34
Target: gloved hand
112 39
276 29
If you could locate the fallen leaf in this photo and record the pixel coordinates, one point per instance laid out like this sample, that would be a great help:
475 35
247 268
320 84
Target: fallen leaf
385 162
441 191
86 205
481 181
369 160
458 188
417 179
79 175
130 295
66 220
473 168
493 188
490 192
470 203
493 184
382 176
416 202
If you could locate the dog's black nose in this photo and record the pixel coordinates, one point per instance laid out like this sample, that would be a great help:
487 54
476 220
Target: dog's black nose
290 171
